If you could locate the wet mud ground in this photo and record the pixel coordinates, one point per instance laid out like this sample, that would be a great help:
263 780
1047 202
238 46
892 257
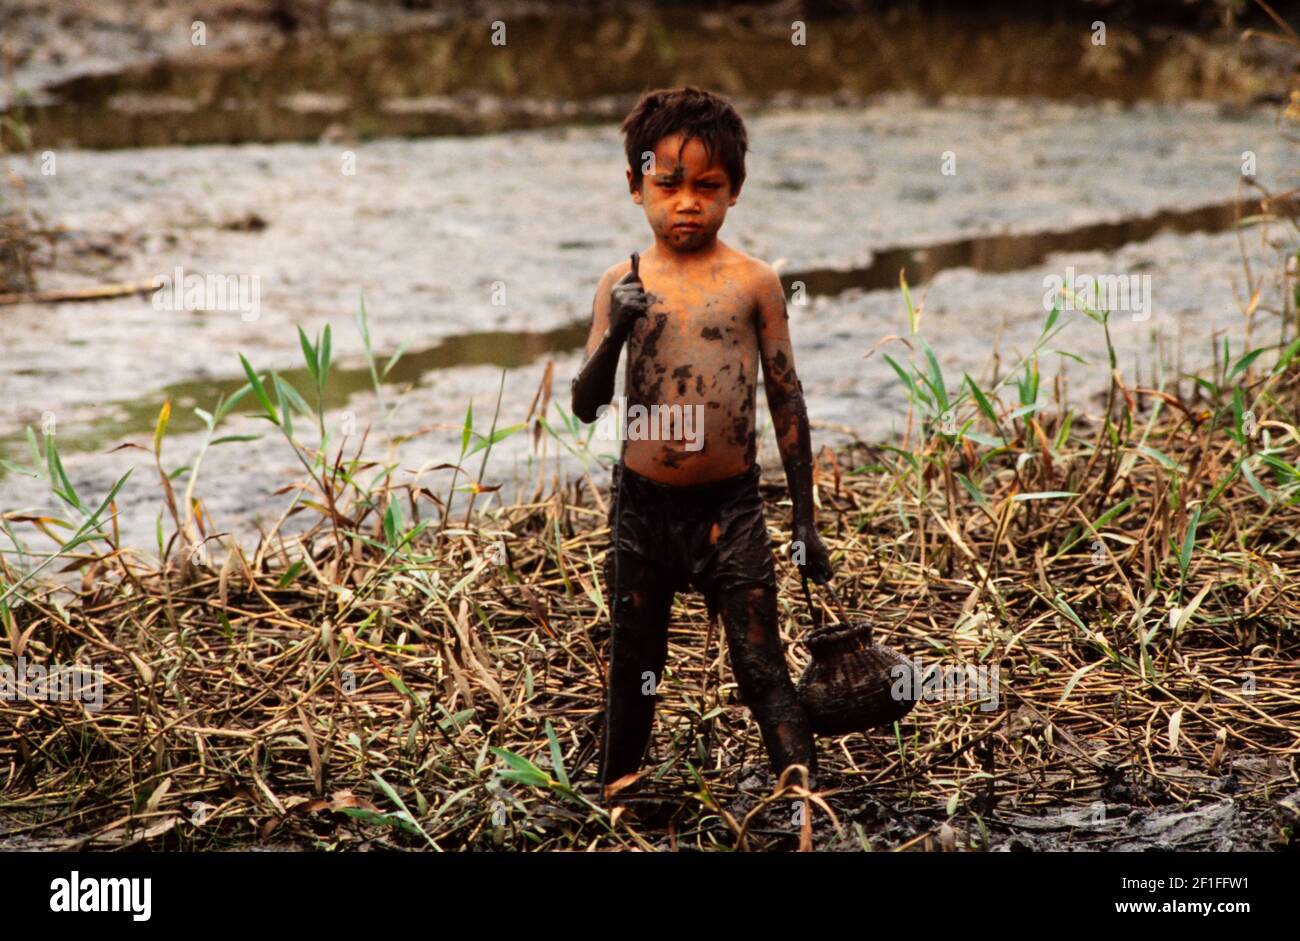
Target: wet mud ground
1120 817
1214 823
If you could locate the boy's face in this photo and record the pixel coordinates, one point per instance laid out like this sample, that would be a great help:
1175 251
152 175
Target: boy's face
686 199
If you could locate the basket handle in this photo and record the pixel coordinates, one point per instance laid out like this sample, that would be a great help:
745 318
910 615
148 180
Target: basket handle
815 610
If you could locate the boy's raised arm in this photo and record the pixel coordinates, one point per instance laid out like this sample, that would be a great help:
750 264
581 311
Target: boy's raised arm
790 420
613 314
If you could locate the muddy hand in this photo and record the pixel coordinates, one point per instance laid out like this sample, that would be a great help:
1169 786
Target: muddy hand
628 301
809 554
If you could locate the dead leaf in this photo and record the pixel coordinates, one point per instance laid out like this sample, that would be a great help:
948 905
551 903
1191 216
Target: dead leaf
622 784
155 799
141 667
313 754
947 838
346 800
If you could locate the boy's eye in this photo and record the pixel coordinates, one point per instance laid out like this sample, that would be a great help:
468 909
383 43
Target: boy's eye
671 185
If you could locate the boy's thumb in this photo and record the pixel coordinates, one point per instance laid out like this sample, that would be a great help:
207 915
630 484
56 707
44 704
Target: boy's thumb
636 262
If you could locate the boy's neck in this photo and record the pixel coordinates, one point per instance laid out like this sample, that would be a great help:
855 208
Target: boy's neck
663 251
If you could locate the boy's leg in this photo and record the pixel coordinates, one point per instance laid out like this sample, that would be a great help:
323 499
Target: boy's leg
749 616
638 646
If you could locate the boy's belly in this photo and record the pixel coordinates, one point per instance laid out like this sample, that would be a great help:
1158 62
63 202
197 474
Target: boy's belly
668 462
689 416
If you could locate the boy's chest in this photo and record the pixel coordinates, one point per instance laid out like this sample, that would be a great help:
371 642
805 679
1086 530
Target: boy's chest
694 343
711 319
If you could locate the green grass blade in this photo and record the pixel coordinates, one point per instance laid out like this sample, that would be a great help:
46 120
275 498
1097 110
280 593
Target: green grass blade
1189 541
325 355
259 391
309 354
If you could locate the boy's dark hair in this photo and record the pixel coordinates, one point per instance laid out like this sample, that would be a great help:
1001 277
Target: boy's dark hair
695 113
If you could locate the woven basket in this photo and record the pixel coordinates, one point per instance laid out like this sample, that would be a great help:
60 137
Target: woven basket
849 685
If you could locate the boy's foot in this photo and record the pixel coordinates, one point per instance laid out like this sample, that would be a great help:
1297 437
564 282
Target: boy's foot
763 781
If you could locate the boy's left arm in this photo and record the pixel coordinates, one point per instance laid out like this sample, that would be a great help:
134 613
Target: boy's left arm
790 420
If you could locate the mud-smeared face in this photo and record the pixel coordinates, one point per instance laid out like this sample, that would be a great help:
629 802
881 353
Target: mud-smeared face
687 197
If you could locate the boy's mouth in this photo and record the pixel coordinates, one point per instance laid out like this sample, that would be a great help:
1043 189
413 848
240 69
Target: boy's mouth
688 226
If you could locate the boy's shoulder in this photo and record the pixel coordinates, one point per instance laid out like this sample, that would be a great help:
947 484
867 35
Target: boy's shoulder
757 279
754 270
745 267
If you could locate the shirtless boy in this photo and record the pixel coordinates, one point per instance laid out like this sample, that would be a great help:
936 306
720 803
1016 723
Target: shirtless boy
698 318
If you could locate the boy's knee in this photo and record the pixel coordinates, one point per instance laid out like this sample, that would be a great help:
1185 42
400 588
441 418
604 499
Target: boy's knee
751 610
759 675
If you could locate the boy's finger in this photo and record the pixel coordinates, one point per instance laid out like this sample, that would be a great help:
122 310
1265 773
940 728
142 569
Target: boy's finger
636 265
631 295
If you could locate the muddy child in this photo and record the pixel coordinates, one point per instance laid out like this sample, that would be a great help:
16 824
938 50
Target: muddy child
699 320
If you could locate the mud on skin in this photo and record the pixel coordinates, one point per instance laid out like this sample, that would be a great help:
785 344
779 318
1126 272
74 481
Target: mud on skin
640 388
749 617
641 613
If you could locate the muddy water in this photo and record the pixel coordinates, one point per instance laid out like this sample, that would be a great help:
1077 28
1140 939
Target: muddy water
432 231
500 348
1013 252
567 67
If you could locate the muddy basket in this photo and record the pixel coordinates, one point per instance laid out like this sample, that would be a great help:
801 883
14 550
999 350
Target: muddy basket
850 682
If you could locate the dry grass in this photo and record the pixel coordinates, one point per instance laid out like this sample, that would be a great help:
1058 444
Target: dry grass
438 682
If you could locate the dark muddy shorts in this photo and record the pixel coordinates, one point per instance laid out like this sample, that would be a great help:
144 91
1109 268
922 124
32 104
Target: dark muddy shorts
710 537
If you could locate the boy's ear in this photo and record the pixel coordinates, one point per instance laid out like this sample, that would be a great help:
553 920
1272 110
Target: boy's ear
633 188
735 194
